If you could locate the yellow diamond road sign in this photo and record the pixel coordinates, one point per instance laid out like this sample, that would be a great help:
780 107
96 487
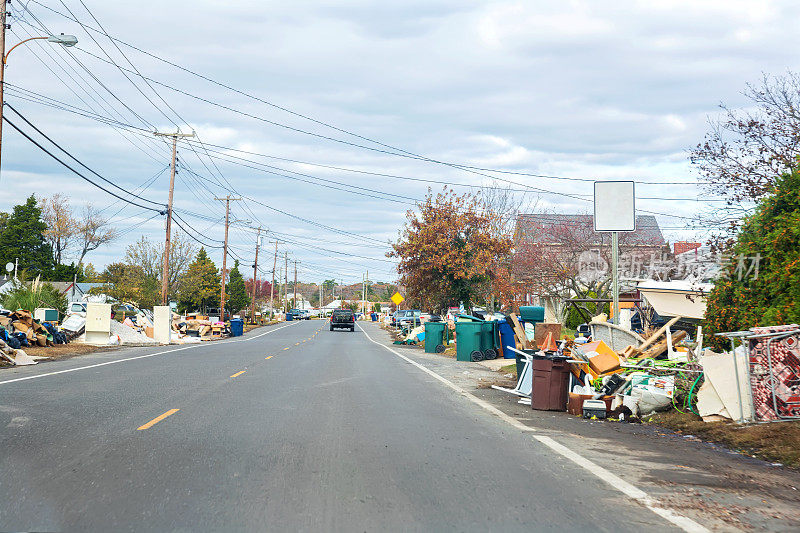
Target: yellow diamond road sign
397 298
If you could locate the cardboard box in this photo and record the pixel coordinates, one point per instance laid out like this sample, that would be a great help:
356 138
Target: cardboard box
575 403
540 332
602 359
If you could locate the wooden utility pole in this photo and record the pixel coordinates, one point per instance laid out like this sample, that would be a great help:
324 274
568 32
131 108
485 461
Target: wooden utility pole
2 64
285 279
272 287
165 260
255 273
227 201
280 286
295 283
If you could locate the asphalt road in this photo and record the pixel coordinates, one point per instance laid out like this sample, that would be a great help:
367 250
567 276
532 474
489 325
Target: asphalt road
290 428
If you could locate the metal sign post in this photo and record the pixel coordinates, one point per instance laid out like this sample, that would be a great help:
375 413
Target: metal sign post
614 211
615 275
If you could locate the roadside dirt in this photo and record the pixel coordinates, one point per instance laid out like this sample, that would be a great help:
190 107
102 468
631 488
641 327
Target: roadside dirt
778 442
61 351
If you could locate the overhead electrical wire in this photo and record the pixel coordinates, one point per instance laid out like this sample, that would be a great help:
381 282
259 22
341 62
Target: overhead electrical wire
421 158
427 159
305 117
62 105
43 28
76 84
222 156
40 132
405 154
45 150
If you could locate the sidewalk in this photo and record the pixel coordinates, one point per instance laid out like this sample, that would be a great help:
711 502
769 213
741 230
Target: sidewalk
721 489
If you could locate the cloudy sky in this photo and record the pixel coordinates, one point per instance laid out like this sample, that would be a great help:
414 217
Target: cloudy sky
573 89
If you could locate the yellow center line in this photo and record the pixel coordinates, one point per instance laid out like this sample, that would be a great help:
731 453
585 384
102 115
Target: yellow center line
268 357
239 373
287 347
158 419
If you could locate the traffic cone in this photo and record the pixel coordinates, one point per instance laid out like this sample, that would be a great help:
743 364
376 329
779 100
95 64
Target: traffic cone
549 344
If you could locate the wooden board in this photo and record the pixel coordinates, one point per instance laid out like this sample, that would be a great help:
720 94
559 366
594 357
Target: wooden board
519 331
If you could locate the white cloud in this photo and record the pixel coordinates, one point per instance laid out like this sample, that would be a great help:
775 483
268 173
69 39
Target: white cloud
577 88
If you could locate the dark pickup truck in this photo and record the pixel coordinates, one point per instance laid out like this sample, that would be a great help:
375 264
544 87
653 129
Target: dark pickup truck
343 319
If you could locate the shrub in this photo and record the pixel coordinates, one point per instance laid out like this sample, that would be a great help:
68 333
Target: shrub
740 298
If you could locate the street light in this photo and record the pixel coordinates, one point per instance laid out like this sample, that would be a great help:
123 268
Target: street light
63 40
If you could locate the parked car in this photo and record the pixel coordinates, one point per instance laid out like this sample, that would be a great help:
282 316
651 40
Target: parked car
343 319
77 307
299 314
410 318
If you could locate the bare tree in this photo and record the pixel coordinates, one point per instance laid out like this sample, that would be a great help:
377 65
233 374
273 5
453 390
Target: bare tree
149 257
562 256
93 231
62 228
746 149
506 204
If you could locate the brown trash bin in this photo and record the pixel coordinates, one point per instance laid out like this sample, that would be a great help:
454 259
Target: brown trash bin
550 385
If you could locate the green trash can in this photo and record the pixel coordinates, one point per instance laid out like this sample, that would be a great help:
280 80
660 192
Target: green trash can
468 340
489 339
434 335
531 313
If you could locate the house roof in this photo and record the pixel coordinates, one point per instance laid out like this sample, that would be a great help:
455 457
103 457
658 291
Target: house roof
647 232
65 286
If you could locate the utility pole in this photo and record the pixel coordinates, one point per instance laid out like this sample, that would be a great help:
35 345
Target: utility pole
295 283
227 200
165 260
286 277
280 287
272 287
2 63
320 296
255 272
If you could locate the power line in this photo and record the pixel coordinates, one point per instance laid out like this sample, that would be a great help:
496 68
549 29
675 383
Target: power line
320 122
412 156
45 150
40 132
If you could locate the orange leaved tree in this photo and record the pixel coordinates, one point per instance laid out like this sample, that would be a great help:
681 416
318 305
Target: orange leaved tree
449 250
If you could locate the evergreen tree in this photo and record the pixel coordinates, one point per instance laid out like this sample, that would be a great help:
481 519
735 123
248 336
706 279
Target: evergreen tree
201 285
236 297
67 273
760 286
23 238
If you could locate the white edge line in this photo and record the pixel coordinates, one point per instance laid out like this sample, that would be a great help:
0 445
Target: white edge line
683 522
36 376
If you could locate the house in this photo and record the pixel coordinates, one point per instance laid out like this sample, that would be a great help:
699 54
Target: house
76 292
301 302
554 254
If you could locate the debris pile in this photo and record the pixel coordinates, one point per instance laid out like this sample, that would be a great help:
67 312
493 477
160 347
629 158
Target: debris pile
18 330
197 328
130 334
757 381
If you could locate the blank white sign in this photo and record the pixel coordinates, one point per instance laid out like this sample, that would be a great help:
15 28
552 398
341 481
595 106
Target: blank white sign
614 206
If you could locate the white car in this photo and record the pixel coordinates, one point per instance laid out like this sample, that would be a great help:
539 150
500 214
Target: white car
78 308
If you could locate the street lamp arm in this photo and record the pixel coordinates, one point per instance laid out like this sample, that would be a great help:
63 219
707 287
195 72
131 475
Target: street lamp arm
64 40
5 57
